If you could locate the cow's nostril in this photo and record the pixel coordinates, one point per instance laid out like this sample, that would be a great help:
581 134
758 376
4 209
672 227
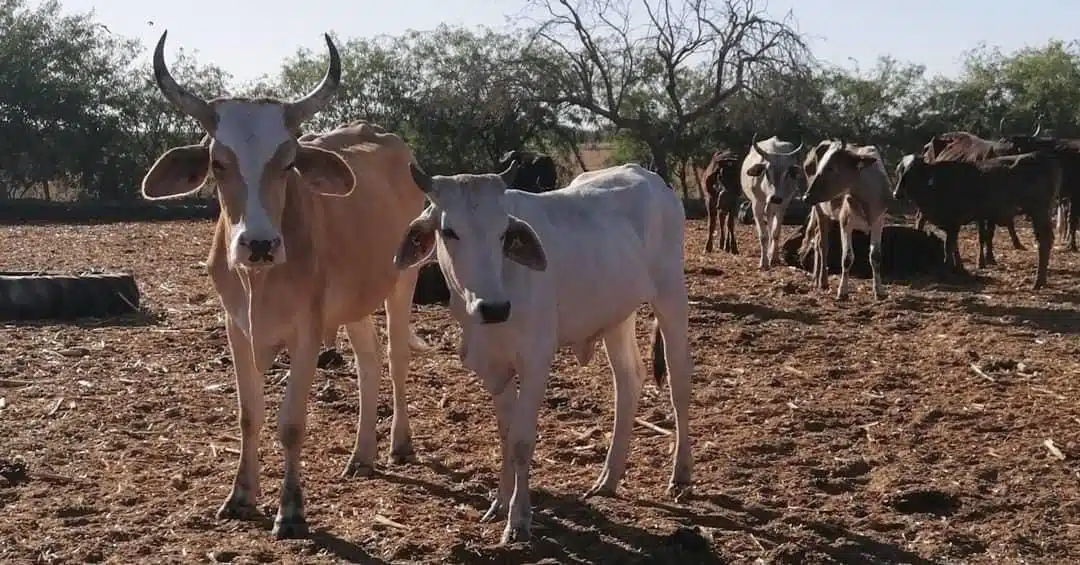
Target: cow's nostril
494 312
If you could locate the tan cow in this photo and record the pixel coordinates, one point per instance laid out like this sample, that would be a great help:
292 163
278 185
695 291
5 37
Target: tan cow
337 203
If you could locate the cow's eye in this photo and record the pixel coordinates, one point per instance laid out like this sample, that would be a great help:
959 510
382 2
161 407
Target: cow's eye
449 233
217 166
290 166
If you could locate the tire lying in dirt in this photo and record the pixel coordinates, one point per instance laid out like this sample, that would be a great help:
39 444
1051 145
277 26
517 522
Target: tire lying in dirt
45 296
431 286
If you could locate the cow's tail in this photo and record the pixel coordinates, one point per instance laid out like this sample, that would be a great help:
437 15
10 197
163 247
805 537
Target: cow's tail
659 361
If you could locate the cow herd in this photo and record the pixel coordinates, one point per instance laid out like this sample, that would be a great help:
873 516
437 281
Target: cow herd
318 231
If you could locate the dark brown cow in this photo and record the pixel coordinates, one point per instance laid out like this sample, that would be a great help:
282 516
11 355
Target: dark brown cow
536 172
720 183
968 147
1068 153
951 194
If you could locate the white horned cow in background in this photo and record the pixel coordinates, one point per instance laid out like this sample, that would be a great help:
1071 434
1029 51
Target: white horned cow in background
849 185
304 244
530 273
771 176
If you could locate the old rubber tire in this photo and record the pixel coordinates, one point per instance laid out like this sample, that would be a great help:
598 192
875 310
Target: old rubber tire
431 286
46 296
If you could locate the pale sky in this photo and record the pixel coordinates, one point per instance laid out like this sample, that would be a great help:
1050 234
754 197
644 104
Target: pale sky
249 38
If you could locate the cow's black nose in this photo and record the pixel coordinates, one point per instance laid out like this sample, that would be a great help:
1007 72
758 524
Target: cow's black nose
494 312
263 249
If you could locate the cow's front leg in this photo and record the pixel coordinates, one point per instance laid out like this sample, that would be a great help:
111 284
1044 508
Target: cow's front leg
847 258
629 372
876 230
761 228
1074 225
365 345
821 251
733 244
776 224
1011 227
500 383
292 426
245 493
522 439
398 306
711 213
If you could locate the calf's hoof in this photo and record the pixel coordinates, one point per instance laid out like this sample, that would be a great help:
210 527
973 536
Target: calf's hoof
496 511
237 508
402 455
290 528
515 534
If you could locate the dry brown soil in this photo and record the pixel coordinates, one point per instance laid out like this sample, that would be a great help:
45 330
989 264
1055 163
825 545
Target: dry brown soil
913 430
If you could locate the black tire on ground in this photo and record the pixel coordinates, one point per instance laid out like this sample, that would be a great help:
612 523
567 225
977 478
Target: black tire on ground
431 286
45 296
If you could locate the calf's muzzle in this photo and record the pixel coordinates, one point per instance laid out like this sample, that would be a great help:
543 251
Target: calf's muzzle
493 312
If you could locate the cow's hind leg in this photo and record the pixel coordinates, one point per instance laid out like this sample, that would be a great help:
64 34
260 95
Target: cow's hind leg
252 404
733 244
986 243
672 315
292 427
1074 225
398 306
1044 235
821 251
847 259
711 212
1011 226
876 230
365 345
629 372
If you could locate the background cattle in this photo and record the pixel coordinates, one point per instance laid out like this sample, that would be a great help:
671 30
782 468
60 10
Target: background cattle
771 176
720 183
1067 152
954 193
906 252
536 172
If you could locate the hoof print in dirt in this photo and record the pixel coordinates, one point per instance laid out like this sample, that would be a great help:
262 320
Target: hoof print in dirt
924 501
44 296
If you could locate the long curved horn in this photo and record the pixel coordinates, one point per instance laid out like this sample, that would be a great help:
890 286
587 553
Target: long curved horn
1038 127
1001 127
422 179
509 175
753 143
299 111
797 149
183 99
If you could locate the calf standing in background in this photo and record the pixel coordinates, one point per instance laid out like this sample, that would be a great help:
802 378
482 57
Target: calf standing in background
720 183
849 185
530 273
771 176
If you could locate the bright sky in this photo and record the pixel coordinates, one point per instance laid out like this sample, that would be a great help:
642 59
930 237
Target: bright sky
931 32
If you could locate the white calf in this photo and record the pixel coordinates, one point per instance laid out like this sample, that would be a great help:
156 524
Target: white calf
582 259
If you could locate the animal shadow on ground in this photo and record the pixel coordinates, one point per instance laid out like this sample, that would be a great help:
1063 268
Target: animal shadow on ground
947 280
138 319
1055 321
322 539
567 529
721 512
746 309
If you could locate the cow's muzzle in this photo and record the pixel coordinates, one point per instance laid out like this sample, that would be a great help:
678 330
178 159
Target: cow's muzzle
493 312
259 251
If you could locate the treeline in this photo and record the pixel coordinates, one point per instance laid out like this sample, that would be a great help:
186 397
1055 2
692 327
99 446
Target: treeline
79 119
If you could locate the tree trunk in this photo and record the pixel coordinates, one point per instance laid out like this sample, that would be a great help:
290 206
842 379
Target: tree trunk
660 160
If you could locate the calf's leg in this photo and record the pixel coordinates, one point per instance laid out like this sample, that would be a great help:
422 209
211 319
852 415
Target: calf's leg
821 251
292 426
522 440
761 228
847 258
252 406
365 345
500 383
1074 225
1011 226
876 229
1044 235
777 223
710 213
629 372
733 244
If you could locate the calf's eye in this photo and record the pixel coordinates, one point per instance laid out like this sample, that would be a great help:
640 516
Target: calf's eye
449 233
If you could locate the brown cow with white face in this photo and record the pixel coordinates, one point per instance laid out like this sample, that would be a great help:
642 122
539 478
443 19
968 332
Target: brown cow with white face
304 244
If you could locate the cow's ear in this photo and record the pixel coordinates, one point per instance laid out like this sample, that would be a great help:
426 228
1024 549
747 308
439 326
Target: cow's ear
756 170
419 241
325 171
178 172
521 245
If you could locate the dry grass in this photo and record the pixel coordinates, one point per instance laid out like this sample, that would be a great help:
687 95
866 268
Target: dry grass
908 431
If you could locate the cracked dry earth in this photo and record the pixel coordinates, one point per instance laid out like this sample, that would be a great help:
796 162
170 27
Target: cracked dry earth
914 430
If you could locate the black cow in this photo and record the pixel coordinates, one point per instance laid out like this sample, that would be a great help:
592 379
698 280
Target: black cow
951 194
536 171
720 183
1067 152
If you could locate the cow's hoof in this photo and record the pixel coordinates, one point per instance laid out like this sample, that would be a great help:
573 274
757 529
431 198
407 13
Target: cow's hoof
496 511
290 528
236 508
402 455
600 489
356 469
515 534
679 491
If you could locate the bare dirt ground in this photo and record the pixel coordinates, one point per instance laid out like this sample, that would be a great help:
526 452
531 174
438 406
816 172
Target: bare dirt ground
908 431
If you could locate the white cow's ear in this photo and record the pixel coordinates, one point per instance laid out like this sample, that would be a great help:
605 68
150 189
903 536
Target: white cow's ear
756 170
419 241
521 245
